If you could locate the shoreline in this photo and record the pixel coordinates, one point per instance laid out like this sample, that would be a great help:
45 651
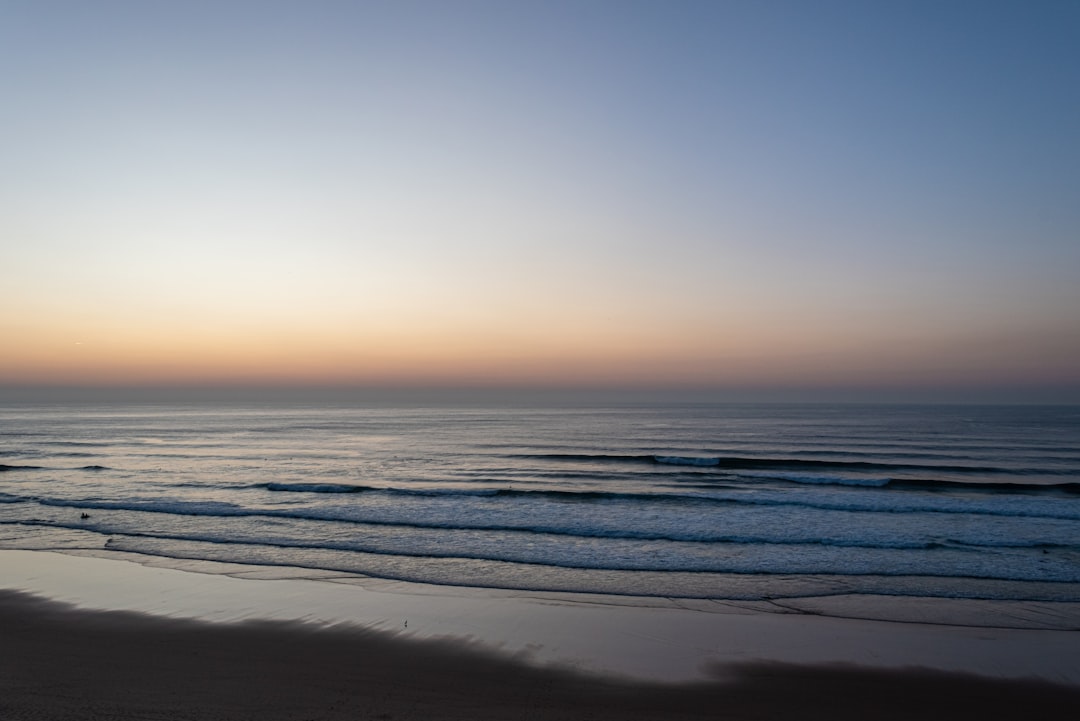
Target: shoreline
83 665
645 640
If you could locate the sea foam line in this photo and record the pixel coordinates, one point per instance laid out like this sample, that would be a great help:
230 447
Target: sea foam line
681 533
718 565
846 501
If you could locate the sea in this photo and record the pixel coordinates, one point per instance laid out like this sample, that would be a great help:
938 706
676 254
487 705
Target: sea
687 501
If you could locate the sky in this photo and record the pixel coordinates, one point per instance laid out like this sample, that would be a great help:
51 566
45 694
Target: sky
766 199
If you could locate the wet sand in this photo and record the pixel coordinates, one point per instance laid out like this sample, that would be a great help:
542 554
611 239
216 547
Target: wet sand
62 663
652 639
107 638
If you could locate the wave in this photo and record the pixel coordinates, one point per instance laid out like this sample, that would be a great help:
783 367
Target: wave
312 487
353 488
1070 487
673 526
5 467
921 484
776 465
735 540
37 453
482 492
871 561
743 462
819 480
750 463
551 494
686 461
695 498
714 495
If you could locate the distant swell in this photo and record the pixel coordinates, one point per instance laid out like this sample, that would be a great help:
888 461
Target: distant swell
1026 488
484 492
787 464
4 467
726 496
686 461
314 487
593 495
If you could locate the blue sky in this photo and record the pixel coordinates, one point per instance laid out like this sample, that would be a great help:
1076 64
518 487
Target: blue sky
850 196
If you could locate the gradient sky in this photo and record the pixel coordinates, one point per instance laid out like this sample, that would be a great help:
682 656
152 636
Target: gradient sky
859 197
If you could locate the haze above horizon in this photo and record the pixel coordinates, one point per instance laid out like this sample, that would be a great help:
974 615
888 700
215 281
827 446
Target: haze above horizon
744 200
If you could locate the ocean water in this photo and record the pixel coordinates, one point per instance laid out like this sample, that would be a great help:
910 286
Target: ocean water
741 502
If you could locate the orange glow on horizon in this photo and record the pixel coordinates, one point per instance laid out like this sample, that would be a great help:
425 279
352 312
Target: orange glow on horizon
582 355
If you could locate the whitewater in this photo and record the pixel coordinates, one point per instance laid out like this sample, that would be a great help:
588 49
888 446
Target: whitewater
732 502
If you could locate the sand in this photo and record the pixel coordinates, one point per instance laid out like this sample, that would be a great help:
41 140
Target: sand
198 646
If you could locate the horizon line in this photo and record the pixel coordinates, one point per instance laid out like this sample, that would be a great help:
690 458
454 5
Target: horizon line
1032 394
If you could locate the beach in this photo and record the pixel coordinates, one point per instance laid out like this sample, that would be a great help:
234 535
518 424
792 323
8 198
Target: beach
91 638
661 562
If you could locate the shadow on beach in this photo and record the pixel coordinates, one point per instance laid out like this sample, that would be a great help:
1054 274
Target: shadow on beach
59 663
